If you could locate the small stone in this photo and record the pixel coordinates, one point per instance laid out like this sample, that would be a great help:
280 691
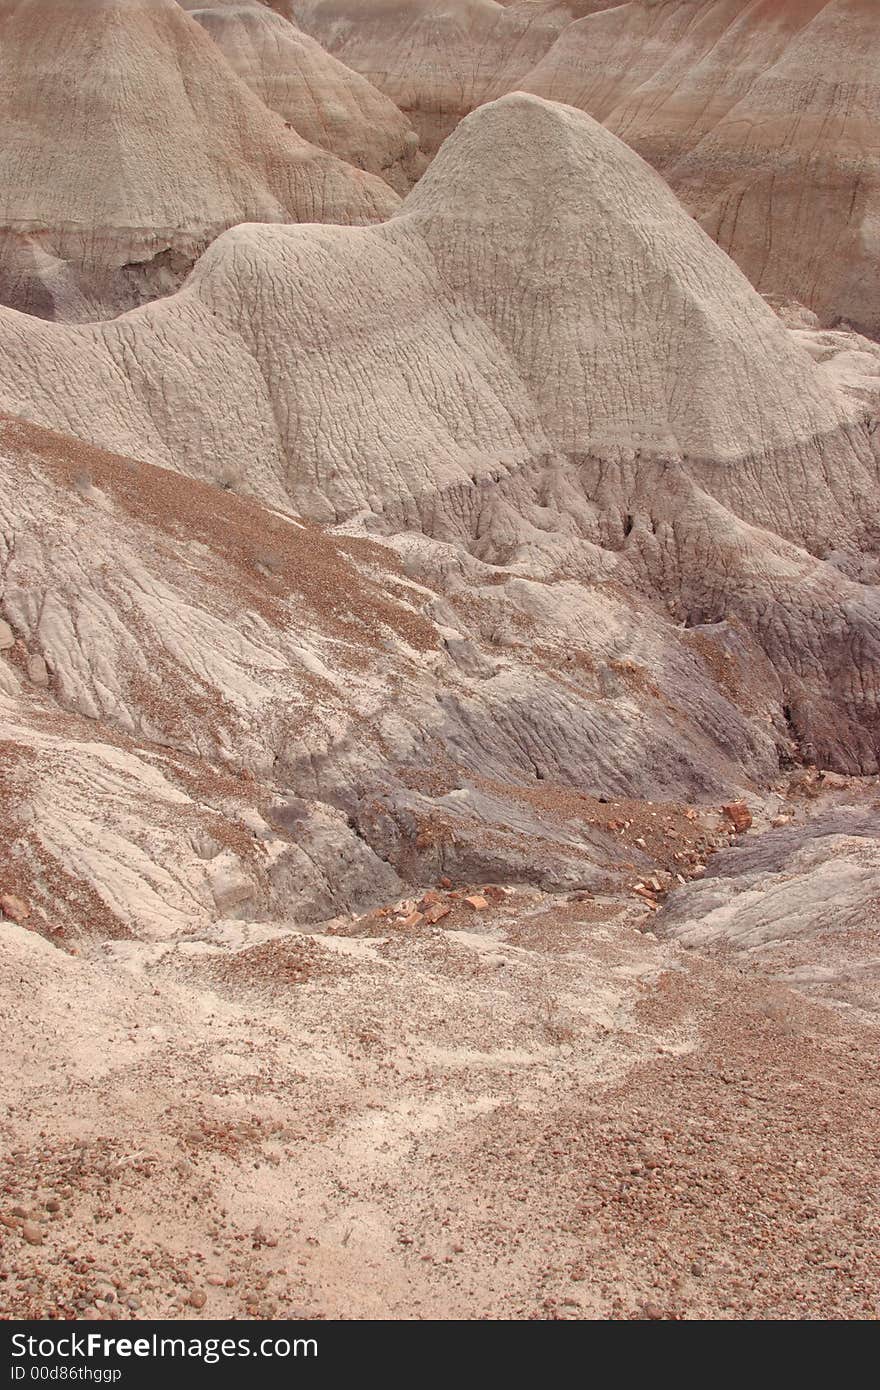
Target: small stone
494 893
413 919
216 1281
17 910
738 813
198 1298
437 913
32 1233
229 884
476 901
53 1204
38 672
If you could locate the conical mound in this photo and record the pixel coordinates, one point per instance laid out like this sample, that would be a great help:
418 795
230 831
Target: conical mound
129 144
765 119
632 330
326 102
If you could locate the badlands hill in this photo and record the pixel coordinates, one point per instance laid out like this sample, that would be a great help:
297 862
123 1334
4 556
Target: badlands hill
548 367
325 102
156 146
765 118
436 63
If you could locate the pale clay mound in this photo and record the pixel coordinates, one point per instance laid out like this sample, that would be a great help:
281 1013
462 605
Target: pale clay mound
548 367
320 98
765 118
157 146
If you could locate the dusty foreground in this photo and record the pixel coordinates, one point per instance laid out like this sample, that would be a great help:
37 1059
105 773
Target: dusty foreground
544 1107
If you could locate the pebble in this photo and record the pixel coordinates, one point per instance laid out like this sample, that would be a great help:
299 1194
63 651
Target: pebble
37 670
739 814
13 907
436 913
198 1298
32 1233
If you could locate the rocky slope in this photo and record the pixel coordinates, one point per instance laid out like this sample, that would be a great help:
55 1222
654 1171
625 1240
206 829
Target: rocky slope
530 1110
156 147
215 708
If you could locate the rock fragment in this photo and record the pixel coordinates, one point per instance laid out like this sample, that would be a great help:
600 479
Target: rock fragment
436 913
38 672
738 813
13 907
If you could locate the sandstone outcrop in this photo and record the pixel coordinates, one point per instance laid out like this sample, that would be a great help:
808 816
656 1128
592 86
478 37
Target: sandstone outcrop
246 715
439 678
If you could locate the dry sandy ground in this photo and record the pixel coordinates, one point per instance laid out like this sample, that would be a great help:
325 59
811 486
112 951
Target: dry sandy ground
537 1109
